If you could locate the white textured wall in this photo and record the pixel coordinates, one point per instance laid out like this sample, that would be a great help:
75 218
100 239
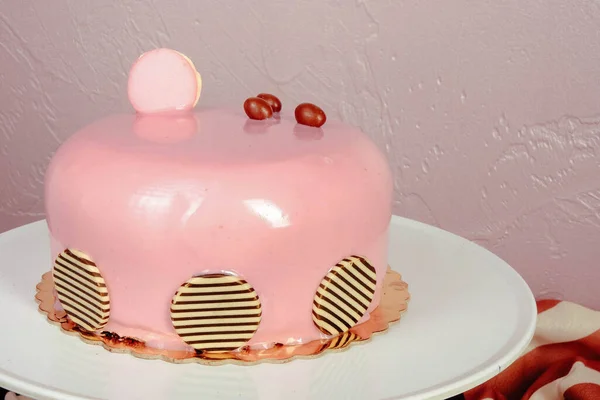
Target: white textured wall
489 110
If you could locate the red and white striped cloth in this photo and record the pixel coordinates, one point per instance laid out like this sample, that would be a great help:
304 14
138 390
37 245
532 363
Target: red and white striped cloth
562 361
12 396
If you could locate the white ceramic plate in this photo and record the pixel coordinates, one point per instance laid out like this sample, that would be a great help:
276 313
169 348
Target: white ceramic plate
470 316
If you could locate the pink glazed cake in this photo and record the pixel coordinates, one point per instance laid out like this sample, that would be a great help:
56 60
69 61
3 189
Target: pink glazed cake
216 229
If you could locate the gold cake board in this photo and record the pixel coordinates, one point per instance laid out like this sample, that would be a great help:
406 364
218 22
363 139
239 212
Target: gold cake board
394 302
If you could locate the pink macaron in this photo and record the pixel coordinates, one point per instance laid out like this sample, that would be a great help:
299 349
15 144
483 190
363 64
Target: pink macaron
163 80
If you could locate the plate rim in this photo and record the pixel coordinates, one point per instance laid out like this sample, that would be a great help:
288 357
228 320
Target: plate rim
489 372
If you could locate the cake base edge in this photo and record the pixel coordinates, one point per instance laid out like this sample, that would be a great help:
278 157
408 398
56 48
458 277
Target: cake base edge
393 304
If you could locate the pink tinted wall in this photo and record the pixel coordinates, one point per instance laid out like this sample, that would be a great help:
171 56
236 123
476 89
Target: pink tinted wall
489 111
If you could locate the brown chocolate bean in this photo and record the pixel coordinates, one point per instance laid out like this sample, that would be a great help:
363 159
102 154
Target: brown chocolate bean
257 108
273 101
309 114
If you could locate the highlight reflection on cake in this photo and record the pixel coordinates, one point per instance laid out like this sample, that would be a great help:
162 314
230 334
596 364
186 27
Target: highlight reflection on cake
270 240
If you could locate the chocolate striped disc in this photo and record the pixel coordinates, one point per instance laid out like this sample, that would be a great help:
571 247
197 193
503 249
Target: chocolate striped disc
344 295
81 289
343 340
216 313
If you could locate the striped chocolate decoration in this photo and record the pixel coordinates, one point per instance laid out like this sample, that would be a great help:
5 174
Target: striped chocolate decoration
343 340
81 290
344 295
216 312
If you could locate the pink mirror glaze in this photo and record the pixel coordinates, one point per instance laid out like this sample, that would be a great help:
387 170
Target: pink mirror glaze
156 199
